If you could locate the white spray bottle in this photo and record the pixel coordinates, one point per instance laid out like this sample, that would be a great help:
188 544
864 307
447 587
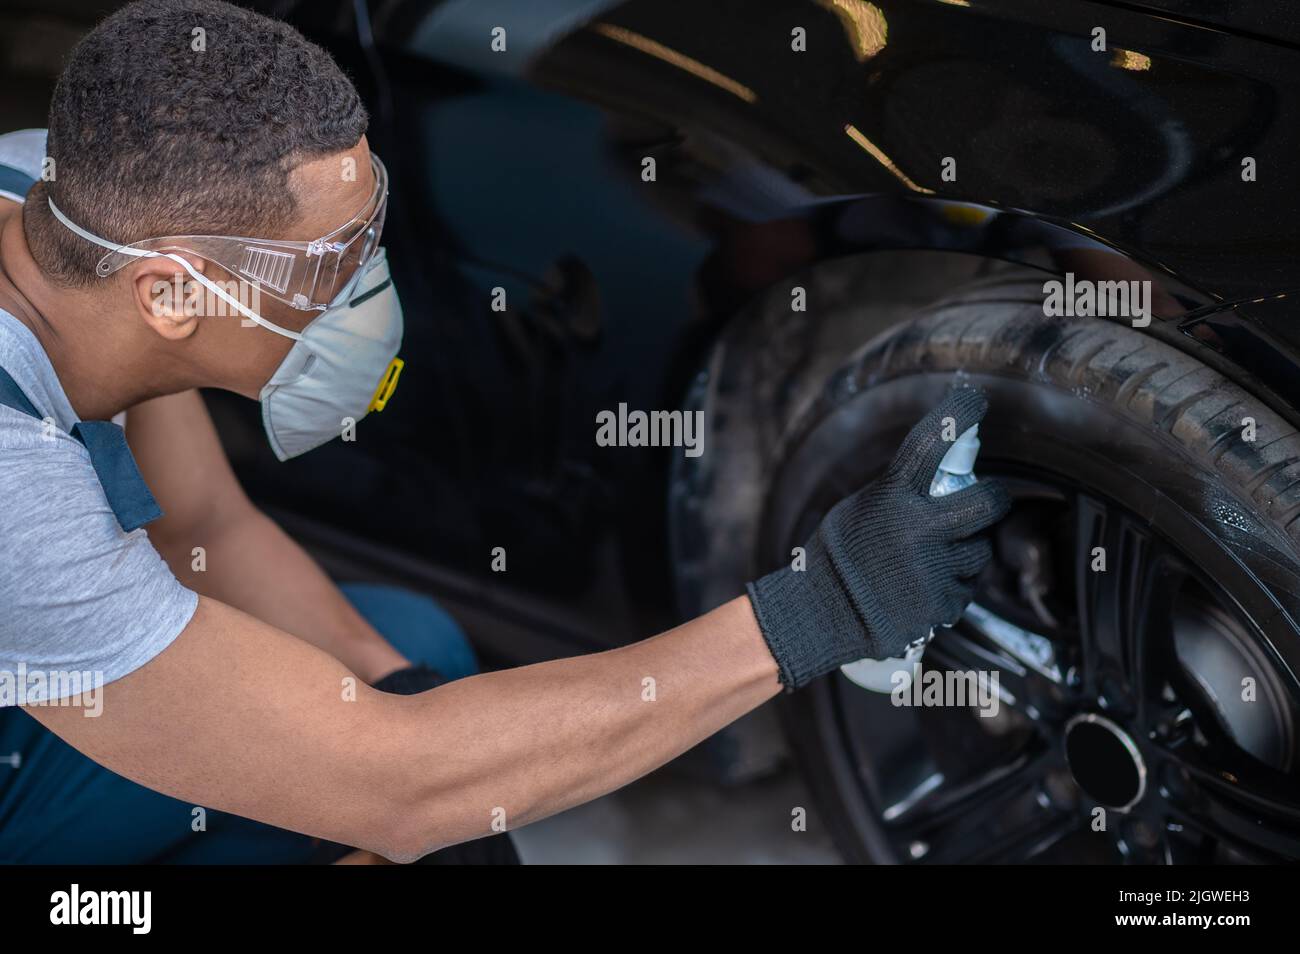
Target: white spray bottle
956 470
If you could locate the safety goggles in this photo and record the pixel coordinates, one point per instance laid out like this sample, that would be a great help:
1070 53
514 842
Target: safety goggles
305 275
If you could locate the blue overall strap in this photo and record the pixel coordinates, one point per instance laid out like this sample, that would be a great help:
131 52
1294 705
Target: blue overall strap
15 181
128 495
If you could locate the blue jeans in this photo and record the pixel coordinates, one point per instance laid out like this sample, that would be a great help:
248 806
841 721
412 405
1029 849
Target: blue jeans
60 807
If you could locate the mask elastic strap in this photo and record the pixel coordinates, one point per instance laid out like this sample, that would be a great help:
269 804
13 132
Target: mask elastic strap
143 253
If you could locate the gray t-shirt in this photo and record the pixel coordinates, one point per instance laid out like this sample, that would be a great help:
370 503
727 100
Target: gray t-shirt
77 595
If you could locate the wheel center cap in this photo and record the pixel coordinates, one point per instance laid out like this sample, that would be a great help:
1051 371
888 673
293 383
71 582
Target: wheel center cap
1104 761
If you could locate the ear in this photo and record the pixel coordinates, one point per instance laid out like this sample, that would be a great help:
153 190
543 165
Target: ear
167 298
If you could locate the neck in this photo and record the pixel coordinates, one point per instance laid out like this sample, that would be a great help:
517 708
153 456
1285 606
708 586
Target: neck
102 367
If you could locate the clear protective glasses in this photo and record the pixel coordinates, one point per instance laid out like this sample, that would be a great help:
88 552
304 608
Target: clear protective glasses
304 275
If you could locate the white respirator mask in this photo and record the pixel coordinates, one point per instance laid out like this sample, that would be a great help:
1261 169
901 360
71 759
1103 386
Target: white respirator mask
344 364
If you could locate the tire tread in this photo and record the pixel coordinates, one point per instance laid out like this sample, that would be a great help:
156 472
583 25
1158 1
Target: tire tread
1000 326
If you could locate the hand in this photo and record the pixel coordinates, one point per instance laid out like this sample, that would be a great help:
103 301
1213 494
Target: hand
888 563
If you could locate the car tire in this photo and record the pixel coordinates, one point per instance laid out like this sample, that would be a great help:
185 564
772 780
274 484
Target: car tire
1122 436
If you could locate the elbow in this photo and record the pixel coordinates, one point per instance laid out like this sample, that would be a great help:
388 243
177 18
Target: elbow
413 813
405 827
403 844
399 851
422 826
395 838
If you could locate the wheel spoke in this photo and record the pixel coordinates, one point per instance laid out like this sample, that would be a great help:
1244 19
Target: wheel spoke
1019 841
955 650
995 814
1124 581
1253 808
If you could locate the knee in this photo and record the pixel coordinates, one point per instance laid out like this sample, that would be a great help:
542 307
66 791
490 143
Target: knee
416 626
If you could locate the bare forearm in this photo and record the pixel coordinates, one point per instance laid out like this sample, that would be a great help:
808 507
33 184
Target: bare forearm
518 745
251 564
247 561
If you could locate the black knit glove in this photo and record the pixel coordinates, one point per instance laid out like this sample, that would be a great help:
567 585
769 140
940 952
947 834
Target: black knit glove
888 563
410 680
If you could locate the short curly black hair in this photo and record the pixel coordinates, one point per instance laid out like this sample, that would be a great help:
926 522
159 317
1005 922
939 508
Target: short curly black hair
178 117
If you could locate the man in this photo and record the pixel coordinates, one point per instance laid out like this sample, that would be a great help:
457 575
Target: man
255 688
